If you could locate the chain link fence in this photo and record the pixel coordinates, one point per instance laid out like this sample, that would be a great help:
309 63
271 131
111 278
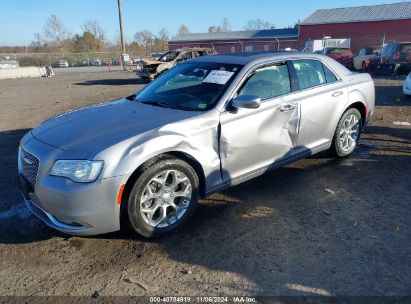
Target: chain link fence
382 55
75 59
378 54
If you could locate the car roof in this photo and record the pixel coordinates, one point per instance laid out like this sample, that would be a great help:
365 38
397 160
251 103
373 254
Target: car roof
254 57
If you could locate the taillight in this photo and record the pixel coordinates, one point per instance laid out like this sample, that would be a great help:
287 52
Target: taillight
396 55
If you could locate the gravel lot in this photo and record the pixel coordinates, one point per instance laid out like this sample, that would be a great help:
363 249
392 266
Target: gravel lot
320 226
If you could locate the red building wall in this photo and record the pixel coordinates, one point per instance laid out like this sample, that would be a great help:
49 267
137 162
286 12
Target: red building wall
362 34
224 46
354 29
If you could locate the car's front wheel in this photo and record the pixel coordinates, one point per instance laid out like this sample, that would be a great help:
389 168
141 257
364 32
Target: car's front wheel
347 134
163 198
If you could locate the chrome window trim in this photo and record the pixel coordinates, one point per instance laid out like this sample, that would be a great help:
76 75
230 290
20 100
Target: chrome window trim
272 62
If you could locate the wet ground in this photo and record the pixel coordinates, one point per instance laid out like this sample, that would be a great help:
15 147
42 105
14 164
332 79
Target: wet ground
320 226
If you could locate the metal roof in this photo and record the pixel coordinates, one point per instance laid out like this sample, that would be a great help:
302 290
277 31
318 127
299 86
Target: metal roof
238 35
394 11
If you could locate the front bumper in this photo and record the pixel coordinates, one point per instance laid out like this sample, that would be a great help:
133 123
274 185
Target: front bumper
73 208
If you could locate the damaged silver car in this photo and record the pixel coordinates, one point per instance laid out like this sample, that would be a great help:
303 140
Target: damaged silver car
152 68
207 124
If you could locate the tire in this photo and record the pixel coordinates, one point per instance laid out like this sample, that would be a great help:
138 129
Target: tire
344 141
165 171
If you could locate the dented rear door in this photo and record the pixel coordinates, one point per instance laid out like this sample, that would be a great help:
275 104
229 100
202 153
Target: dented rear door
254 139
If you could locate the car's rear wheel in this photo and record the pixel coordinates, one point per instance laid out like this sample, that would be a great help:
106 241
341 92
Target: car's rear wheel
163 197
348 133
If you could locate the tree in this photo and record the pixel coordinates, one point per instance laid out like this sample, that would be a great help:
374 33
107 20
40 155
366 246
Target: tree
225 25
183 29
85 43
213 29
93 27
144 38
258 24
38 42
161 41
55 32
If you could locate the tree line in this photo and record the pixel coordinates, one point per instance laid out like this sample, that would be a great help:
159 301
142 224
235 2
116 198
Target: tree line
55 37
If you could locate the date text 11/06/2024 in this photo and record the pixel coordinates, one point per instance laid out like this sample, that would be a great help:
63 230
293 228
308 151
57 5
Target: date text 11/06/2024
204 299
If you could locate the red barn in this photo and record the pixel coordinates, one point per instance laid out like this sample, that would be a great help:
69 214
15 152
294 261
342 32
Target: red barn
239 41
374 25
365 25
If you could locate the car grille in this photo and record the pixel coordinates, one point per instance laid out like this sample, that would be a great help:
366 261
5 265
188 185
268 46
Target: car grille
29 167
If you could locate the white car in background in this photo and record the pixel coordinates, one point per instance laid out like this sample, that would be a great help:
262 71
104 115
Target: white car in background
366 57
63 64
407 85
96 62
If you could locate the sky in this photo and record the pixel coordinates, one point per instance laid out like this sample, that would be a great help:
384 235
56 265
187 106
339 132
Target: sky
20 19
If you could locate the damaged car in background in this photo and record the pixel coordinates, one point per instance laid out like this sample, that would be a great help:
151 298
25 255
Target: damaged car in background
150 67
209 123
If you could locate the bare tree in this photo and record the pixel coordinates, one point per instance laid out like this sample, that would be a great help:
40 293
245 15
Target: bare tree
144 38
213 29
93 27
183 29
55 32
258 24
38 41
161 41
163 34
225 25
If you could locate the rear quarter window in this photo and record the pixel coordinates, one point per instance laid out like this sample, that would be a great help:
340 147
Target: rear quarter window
329 75
310 73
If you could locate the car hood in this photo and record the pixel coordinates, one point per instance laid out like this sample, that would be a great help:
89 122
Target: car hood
341 56
102 125
151 61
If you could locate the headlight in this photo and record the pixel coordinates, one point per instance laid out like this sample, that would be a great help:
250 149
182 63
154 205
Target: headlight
82 171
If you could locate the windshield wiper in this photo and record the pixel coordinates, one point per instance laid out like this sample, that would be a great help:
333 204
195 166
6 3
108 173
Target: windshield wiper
157 104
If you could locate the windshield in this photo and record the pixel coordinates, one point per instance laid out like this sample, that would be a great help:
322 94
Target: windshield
167 57
195 86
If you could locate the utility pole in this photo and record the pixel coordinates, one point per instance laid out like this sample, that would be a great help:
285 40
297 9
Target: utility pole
120 17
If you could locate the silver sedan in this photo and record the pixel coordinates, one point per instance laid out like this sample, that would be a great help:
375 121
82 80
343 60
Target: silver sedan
203 126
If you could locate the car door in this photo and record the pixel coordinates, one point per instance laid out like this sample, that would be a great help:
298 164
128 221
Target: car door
322 96
253 139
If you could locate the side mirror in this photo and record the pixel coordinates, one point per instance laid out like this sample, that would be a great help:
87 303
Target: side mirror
246 102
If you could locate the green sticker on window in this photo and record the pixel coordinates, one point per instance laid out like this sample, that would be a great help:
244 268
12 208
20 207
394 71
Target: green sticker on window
202 105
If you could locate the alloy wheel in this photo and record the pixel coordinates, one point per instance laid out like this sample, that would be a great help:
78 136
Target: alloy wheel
165 198
349 132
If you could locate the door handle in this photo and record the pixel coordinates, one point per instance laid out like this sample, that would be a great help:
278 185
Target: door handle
287 107
337 93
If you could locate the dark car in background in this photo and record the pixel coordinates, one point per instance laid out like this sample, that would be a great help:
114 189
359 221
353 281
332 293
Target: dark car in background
342 55
396 57
151 68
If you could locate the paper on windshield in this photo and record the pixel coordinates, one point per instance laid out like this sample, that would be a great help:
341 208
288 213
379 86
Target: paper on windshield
219 77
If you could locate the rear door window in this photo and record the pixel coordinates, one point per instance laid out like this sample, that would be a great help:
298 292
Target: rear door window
310 73
268 82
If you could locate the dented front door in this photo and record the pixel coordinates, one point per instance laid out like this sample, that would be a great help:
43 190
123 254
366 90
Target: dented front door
253 139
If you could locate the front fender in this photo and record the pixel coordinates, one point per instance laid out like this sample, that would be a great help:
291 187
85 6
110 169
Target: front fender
201 144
